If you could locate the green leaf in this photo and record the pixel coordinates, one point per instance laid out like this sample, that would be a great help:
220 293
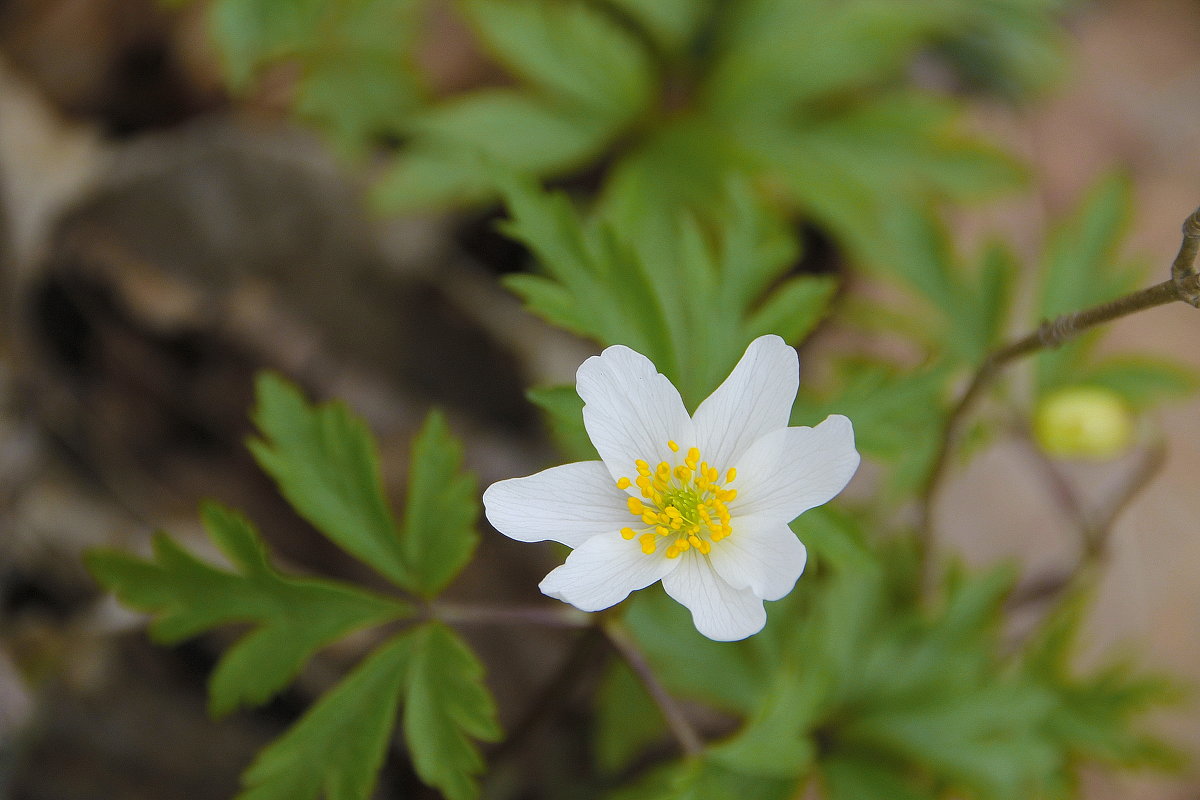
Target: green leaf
455 144
564 416
691 301
626 720
441 510
775 56
703 779
446 707
794 308
292 617
357 77
336 749
1141 381
1082 267
568 49
250 32
853 777
673 24
324 461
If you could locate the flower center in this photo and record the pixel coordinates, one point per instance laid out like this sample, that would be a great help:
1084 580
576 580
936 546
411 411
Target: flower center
683 507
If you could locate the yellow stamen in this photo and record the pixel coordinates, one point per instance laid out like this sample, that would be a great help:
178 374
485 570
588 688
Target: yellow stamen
663 531
627 533
635 505
673 552
648 543
623 483
649 517
674 447
731 475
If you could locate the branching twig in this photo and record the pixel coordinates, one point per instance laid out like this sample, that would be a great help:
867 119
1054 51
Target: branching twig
689 741
1184 285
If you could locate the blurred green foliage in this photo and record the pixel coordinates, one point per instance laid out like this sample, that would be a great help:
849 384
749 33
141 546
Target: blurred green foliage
697 136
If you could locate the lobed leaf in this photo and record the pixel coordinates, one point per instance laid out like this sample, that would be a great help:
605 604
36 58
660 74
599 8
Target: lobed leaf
441 510
323 460
292 618
336 749
447 706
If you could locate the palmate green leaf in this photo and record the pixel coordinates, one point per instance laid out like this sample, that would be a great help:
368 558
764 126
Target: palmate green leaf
897 415
357 75
1012 48
453 145
852 777
673 24
441 510
564 416
324 461
703 779
570 50
629 286
336 749
865 173
626 720
1141 381
446 707
1082 266
1098 714
775 55
292 617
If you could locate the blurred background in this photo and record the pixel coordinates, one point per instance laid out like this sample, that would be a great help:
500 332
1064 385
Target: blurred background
162 239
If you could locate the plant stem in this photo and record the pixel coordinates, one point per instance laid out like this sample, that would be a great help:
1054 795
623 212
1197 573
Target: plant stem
685 734
1184 285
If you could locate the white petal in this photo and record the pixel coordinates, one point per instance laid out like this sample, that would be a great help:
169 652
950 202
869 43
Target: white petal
568 504
719 611
789 471
762 555
603 571
630 410
754 400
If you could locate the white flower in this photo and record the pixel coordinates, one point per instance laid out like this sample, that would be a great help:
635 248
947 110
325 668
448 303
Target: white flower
701 503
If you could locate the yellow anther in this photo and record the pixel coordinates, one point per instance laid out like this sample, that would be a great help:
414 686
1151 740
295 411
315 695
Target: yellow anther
658 498
643 468
672 511
623 483
683 473
649 517
673 551
663 471
694 540
704 515
712 474
676 524
660 485
683 545
726 495
693 455
635 505
673 445
627 533
648 544
731 475
662 530
704 547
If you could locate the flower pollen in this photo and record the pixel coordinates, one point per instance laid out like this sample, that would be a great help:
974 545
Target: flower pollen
685 504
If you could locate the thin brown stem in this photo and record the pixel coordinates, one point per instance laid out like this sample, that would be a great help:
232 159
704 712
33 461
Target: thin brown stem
689 741
1184 285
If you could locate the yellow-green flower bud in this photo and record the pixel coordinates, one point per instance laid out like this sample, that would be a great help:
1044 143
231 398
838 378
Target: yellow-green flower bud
1084 422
